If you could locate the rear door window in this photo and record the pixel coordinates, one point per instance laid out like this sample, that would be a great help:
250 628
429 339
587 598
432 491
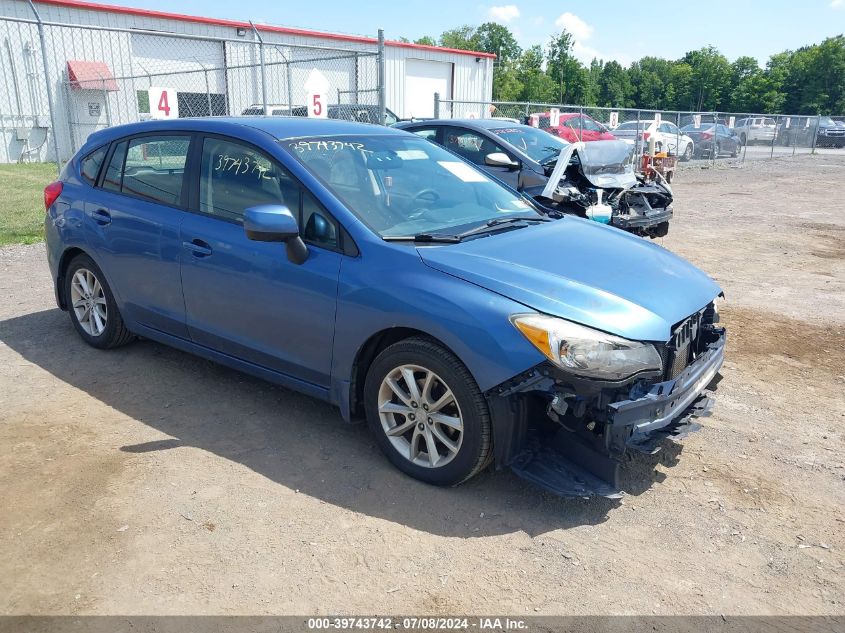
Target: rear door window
154 168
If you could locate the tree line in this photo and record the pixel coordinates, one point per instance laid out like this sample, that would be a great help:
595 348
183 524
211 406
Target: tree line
810 80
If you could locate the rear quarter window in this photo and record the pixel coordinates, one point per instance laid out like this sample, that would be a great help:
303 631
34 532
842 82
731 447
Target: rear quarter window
90 165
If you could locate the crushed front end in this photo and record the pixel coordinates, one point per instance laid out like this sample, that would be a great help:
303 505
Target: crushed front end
597 181
573 433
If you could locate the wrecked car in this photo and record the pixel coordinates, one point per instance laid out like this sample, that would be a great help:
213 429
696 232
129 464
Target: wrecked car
593 180
374 270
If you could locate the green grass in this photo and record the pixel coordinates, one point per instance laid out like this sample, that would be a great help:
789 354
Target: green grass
22 201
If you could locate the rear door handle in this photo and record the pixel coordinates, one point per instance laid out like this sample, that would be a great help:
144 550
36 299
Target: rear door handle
101 217
198 248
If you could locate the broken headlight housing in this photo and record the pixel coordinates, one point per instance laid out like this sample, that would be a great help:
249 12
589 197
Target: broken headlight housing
587 352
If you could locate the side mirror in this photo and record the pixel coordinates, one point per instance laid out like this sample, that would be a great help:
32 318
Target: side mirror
500 159
275 223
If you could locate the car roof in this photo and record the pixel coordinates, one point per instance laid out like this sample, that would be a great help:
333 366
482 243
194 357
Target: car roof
279 127
473 124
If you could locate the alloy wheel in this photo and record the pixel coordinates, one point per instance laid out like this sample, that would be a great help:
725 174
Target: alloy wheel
420 416
88 300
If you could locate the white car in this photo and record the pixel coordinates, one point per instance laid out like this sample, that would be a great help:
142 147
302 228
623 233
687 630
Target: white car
754 129
667 136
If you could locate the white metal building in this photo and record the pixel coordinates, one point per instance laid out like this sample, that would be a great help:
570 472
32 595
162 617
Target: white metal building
105 62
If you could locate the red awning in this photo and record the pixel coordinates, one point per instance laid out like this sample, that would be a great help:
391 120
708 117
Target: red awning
84 75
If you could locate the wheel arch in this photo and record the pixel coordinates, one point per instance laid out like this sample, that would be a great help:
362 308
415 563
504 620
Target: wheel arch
372 347
67 257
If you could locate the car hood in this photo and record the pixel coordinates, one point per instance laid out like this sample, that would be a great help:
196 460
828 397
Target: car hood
585 272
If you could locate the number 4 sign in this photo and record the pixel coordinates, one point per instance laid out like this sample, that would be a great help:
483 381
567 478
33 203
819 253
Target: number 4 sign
163 103
317 87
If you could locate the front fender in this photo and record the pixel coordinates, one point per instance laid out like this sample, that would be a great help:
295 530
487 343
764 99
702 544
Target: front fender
403 292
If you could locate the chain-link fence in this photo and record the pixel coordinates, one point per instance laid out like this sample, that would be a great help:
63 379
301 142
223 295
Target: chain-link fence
64 81
692 136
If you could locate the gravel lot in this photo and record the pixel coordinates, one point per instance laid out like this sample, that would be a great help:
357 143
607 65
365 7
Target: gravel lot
145 481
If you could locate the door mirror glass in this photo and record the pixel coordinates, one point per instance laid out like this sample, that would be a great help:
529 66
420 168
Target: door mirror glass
499 159
270 223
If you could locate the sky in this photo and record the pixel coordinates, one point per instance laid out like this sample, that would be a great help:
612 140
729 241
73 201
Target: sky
608 29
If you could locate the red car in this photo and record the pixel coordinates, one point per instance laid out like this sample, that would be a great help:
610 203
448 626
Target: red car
576 127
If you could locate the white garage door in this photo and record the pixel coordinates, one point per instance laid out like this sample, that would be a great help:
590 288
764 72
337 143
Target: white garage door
187 59
422 79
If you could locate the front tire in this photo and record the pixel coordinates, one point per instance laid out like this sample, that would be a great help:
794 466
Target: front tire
688 153
427 413
90 302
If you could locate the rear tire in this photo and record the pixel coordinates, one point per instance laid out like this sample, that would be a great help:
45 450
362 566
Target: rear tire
91 305
437 429
688 153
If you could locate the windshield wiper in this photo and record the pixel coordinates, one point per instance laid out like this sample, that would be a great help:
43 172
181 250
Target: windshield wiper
497 222
451 238
423 237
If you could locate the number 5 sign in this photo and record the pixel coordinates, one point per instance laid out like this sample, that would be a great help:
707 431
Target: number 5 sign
317 87
163 103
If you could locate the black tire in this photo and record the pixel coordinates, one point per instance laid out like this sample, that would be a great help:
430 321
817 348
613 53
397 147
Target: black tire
115 332
476 447
689 152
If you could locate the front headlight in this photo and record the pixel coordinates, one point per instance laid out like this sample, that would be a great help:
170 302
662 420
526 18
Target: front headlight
717 307
584 351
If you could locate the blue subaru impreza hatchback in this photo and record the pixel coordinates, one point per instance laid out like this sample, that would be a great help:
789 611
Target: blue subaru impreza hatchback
370 268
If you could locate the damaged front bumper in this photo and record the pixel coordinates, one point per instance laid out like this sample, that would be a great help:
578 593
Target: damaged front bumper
570 464
650 218
637 423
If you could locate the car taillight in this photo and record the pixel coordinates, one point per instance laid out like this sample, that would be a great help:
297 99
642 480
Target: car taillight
706 136
51 192
646 135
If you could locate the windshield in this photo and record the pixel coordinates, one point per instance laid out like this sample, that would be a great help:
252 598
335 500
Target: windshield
404 186
826 121
536 144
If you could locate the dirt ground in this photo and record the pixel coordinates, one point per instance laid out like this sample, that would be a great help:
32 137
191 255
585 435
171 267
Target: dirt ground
146 481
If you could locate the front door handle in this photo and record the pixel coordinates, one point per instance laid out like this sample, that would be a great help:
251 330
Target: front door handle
198 248
101 217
